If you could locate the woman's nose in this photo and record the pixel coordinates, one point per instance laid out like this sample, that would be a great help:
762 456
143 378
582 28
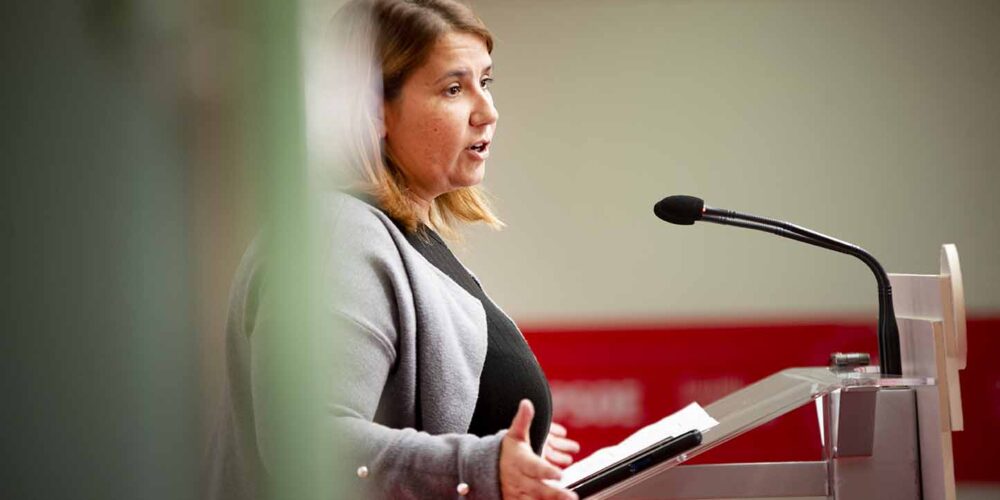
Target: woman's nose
485 113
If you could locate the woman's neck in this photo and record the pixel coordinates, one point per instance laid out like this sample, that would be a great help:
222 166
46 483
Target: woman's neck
423 206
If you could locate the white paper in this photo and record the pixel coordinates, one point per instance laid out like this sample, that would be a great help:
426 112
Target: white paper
693 416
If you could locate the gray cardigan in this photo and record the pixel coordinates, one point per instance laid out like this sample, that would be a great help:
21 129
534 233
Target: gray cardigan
413 344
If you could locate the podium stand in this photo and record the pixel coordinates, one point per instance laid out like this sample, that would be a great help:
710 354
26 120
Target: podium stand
883 437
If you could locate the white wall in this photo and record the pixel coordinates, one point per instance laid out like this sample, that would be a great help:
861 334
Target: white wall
877 122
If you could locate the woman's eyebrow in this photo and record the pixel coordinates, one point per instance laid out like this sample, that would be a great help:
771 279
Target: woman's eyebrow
461 73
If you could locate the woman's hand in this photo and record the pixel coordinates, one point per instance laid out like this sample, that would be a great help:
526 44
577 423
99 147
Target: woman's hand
522 473
558 448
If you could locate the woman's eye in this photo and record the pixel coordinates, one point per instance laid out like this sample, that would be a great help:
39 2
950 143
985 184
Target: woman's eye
486 83
453 89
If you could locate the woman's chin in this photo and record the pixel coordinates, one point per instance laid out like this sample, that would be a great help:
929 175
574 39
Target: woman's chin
473 177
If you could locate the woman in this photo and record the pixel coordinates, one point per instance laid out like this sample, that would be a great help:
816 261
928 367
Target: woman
440 394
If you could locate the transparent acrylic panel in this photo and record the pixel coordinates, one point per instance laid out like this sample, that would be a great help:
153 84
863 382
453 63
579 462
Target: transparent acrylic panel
767 400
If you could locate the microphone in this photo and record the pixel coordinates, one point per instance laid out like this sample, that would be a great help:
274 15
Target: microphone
686 210
680 209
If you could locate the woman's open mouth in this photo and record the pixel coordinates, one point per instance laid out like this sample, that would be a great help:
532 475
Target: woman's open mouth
480 149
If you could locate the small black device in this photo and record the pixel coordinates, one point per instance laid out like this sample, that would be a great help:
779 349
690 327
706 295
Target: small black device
636 463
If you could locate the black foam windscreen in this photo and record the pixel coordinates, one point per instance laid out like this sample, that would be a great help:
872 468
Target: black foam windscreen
680 209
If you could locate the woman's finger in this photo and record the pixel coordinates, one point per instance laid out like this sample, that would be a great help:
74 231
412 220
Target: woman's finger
563 444
557 430
520 427
540 489
557 457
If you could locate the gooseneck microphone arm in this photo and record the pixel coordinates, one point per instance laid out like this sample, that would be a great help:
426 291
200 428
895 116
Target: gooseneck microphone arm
746 224
686 210
888 332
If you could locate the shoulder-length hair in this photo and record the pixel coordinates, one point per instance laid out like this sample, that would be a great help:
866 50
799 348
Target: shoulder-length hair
380 44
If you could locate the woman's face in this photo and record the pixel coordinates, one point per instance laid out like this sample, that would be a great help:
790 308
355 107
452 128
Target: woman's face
439 128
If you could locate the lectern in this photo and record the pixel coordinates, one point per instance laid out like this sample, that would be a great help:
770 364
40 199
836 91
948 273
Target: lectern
883 437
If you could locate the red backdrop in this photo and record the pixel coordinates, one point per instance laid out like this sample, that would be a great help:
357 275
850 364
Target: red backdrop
608 381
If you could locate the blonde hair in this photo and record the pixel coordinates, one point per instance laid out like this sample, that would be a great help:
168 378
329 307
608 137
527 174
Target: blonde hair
382 43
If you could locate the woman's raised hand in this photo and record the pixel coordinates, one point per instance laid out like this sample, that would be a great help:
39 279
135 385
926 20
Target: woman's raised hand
522 473
558 448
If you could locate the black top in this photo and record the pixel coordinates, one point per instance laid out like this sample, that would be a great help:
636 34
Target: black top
511 371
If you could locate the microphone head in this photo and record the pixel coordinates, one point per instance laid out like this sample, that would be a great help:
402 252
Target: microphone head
680 209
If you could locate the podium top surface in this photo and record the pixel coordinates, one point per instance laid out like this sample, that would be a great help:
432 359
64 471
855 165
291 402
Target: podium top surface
768 399
785 391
